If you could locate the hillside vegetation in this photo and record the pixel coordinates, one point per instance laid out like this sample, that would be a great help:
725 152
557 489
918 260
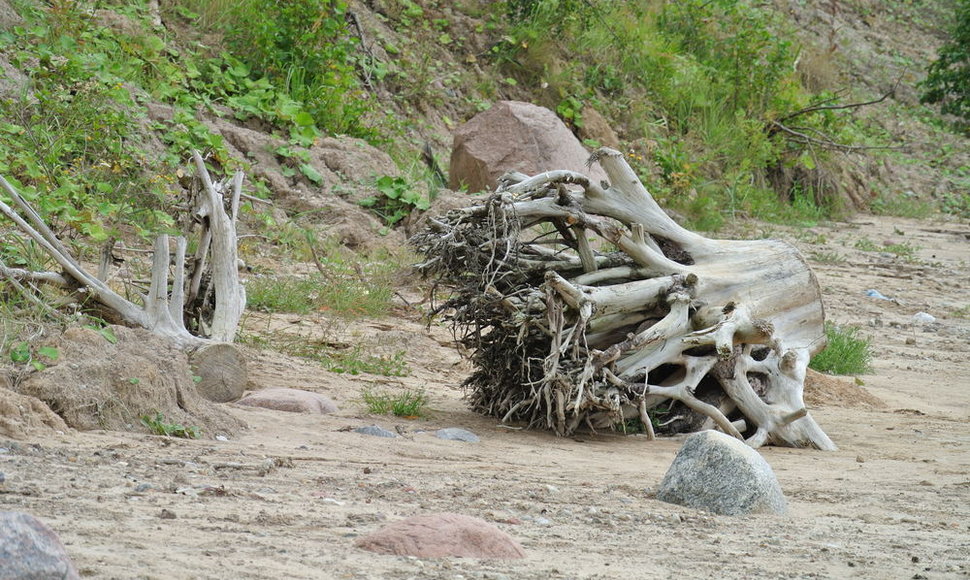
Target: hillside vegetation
724 107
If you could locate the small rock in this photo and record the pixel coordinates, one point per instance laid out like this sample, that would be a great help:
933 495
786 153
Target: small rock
923 318
552 489
860 459
167 514
456 434
221 438
375 431
142 487
910 341
720 474
30 549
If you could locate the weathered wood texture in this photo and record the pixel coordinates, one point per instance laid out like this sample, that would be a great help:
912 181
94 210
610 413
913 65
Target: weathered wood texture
586 305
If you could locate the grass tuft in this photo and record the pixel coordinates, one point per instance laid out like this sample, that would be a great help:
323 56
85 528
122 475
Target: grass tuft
846 353
406 404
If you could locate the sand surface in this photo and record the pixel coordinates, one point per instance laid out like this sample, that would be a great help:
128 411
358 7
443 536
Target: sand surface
287 497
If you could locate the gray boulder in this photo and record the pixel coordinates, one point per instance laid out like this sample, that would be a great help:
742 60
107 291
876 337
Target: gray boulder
514 136
718 473
29 550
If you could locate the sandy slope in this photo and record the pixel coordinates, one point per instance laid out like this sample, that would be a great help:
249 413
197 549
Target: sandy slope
286 498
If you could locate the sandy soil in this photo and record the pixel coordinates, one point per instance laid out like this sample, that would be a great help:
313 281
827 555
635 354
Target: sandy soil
286 498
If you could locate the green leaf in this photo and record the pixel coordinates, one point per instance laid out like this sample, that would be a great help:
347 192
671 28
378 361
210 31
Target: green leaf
310 173
303 119
108 335
807 160
38 365
49 352
20 353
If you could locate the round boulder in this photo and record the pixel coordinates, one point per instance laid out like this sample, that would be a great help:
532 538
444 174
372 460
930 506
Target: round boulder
720 474
514 136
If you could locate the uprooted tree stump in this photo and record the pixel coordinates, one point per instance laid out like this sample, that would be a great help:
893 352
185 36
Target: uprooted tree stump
587 305
205 288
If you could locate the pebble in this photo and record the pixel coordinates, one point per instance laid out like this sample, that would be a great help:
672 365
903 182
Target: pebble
924 318
456 434
143 487
910 341
221 438
375 431
552 489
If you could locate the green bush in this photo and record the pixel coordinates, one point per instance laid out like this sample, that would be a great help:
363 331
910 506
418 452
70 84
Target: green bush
702 81
948 77
304 47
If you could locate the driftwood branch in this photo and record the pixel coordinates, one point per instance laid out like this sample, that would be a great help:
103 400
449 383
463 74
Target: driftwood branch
161 310
621 309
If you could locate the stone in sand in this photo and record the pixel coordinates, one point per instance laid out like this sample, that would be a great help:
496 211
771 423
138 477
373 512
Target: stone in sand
456 434
718 473
289 400
30 550
442 535
375 431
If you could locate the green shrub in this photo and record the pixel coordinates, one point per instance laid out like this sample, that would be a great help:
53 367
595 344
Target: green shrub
305 47
948 78
845 354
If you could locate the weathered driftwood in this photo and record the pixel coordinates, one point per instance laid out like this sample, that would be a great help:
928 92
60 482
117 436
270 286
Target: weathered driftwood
162 309
565 333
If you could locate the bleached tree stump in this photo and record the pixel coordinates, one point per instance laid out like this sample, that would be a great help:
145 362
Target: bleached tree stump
162 309
565 333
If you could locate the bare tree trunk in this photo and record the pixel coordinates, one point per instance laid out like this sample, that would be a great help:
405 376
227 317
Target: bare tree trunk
587 305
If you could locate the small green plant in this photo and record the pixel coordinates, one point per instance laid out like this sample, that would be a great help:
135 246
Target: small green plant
356 361
827 257
341 293
397 199
902 249
335 358
866 245
904 205
157 424
408 404
630 426
22 353
957 204
963 312
846 353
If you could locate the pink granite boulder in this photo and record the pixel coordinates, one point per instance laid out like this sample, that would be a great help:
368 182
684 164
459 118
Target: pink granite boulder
514 136
442 535
289 400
